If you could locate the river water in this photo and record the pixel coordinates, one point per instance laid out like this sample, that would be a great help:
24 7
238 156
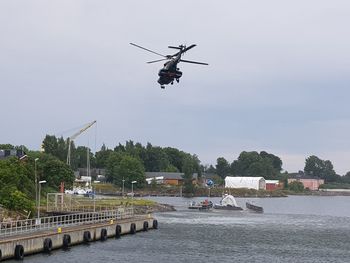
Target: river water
304 229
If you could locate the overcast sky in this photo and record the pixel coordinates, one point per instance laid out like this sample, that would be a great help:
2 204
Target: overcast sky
278 76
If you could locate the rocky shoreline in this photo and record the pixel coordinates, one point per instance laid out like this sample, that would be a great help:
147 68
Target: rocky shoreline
154 208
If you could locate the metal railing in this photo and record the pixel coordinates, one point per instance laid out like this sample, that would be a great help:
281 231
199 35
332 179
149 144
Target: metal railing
19 227
58 202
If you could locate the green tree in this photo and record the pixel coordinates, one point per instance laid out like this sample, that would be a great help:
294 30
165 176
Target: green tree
123 166
79 158
222 167
314 166
6 146
13 199
171 169
62 149
211 169
55 171
254 164
188 170
102 157
50 145
112 164
57 147
175 157
346 178
16 184
14 173
273 159
156 160
131 169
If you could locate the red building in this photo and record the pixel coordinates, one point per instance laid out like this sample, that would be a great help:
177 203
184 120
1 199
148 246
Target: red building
312 184
273 185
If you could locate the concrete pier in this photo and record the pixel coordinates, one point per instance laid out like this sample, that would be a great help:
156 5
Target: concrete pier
44 241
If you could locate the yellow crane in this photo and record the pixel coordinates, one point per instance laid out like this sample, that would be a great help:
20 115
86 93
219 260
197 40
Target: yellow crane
74 136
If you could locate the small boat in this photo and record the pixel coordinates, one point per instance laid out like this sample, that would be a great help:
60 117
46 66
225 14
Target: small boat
228 202
204 205
254 207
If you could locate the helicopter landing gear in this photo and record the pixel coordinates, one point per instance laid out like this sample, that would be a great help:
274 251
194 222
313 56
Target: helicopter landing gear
177 80
162 87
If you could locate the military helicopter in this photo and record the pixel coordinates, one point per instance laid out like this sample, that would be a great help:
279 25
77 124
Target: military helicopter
170 71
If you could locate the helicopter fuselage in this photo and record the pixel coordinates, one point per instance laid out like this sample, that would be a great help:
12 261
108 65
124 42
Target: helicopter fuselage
170 72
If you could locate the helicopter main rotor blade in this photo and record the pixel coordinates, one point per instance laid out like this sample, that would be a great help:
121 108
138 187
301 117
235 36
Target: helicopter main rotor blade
188 48
182 51
193 62
147 50
158 60
174 47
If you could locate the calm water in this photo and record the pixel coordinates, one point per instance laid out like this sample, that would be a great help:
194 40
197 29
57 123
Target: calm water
293 229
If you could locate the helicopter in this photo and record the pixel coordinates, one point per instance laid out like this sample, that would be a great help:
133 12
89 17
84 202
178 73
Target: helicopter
170 71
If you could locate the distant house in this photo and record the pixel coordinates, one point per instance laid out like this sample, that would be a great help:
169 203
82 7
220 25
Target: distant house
5 153
311 182
94 172
257 183
169 178
273 185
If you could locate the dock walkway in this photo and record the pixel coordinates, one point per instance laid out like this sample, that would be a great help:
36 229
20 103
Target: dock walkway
20 239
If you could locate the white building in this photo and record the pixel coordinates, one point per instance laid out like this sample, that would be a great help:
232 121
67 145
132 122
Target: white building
257 183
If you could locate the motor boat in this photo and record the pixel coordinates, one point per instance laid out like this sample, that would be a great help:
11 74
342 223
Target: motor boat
253 207
204 205
228 202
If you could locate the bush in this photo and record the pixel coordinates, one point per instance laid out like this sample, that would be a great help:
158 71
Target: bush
296 186
13 199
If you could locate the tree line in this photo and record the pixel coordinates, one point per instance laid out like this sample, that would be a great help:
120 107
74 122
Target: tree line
167 159
126 162
129 162
269 166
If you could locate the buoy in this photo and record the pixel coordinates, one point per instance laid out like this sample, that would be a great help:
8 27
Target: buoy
118 231
47 245
103 234
145 226
155 224
87 236
66 241
132 228
19 252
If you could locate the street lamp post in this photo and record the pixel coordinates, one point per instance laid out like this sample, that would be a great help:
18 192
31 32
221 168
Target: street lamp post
40 182
36 182
132 188
123 188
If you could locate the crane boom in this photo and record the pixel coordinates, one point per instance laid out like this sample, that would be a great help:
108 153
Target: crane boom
74 136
